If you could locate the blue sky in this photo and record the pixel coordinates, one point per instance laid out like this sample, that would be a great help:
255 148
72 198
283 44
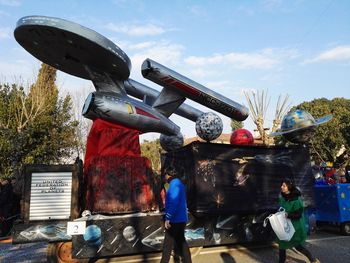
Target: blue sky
300 48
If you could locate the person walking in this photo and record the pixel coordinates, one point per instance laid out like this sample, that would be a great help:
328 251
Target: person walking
175 218
290 200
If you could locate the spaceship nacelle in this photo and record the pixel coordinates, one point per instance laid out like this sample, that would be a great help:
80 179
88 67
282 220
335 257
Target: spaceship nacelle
123 110
149 95
181 85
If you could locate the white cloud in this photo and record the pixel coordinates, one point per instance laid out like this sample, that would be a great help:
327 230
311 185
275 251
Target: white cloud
10 2
236 60
265 59
197 11
130 47
335 54
162 52
136 30
142 45
4 32
247 11
200 73
120 2
251 60
18 71
227 88
272 4
4 14
281 53
281 6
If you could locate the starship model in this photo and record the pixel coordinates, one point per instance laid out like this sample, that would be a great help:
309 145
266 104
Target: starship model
84 53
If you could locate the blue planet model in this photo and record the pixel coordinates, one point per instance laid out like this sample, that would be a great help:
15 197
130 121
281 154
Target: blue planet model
93 235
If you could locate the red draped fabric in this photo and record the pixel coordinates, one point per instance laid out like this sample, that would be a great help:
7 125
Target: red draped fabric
111 139
116 177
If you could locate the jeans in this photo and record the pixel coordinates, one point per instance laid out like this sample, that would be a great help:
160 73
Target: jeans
175 238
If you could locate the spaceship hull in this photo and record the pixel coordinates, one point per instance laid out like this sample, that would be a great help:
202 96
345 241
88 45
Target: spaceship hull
69 47
192 90
127 112
138 90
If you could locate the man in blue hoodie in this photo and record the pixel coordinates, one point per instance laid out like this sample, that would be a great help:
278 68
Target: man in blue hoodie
175 218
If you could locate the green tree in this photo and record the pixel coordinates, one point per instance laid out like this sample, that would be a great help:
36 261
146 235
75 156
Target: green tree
331 136
152 150
10 101
235 125
35 127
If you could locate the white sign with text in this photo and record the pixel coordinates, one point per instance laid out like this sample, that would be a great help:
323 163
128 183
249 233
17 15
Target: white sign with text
76 228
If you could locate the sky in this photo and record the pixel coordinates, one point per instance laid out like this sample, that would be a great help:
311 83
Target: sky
299 48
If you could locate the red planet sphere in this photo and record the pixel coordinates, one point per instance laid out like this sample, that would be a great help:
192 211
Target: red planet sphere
241 137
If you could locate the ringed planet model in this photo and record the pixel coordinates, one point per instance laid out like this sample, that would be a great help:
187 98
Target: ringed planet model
299 125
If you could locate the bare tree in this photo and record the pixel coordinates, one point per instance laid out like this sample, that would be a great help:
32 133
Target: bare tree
258 104
27 108
282 108
84 125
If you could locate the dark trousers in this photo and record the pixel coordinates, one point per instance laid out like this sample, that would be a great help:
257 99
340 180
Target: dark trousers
175 238
301 249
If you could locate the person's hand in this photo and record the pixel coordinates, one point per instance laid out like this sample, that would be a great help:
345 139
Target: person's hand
167 224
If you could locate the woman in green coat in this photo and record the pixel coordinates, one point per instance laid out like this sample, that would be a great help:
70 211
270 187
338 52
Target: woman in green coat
291 201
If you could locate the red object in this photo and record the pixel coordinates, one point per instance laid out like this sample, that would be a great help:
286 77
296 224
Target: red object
116 177
329 175
106 139
117 184
241 137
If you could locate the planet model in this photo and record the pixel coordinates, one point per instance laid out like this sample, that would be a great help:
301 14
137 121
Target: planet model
171 142
93 235
241 137
129 233
298 126
209 126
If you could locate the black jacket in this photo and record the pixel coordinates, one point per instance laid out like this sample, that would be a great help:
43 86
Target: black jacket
6 199
290 197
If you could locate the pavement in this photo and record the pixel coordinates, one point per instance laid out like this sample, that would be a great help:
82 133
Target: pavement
327 245
26 253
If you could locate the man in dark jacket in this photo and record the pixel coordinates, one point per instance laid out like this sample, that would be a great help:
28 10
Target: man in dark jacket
6 198
175 218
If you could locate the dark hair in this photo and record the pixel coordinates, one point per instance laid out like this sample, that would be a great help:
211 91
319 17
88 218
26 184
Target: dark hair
289 183
291 186
170 170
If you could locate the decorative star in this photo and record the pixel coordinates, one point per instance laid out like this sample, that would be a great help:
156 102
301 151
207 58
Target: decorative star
219 200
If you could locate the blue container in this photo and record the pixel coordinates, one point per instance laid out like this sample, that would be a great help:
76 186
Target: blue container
310 220
333 203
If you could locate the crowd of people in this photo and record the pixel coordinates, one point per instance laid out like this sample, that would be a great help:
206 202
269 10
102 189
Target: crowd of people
329 175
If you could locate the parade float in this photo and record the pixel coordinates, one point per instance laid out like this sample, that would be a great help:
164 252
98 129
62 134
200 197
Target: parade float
110 205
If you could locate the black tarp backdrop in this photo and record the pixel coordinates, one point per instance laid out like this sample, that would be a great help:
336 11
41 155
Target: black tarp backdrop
226 179
231 190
